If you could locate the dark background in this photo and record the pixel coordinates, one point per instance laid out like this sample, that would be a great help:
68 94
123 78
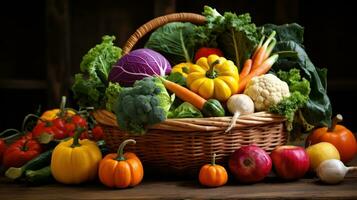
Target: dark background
42 43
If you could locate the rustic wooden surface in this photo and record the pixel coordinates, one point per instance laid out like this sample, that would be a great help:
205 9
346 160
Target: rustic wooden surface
271 188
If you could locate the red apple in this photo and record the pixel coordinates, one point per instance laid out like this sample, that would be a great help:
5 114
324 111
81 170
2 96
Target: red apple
250 164
290 162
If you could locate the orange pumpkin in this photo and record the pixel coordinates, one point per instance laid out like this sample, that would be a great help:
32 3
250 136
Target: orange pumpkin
338 135
212 175
121 170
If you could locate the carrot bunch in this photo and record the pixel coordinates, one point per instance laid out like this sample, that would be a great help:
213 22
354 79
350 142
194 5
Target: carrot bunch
260 63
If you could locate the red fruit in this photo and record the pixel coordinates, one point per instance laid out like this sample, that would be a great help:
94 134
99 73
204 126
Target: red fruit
290 162
21 151
98 133
250 164
206 51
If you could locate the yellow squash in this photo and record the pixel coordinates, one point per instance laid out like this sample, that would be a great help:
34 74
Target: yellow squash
183 68
214 78
75 161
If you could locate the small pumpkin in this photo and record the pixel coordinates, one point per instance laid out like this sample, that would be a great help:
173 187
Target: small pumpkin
212 175
75 161
338 135
214 78
121 170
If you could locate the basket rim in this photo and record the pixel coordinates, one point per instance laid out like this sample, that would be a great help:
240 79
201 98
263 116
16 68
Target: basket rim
108 118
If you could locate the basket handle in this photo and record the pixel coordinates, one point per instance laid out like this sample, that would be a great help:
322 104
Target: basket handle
160 21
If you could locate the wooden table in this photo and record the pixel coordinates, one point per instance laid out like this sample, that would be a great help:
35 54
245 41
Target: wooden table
271 188
154 187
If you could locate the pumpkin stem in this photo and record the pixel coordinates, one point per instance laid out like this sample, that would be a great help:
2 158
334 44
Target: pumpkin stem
120 152
211 73
213 159
76 135
337 119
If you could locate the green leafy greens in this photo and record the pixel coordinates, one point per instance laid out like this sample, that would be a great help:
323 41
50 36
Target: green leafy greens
235 35
174 41
318 109
299 89
90 85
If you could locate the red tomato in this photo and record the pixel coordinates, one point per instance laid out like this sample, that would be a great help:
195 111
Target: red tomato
206 51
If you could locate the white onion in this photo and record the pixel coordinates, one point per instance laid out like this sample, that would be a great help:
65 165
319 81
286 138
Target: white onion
332 171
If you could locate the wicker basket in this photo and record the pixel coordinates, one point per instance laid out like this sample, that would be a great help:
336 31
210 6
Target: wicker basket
184 145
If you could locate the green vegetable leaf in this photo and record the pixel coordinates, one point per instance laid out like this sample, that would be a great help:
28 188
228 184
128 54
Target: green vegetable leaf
177 77
286 32
90 85
174 41
99 60
185 110
87 91
111 94
235 35
318 109
290 106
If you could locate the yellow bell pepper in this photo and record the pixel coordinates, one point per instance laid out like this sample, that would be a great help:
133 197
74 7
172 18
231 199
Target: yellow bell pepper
75 161
50 115
214 78
183 68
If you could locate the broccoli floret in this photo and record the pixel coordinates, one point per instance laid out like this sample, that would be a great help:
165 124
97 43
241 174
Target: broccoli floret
144 104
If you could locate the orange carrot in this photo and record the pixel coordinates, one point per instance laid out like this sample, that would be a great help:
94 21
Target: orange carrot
246 68
262 69
260 55
185 94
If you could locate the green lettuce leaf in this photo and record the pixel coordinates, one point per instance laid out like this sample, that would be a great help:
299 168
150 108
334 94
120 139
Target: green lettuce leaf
90 85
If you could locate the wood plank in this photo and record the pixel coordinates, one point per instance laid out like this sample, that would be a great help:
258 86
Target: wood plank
271 188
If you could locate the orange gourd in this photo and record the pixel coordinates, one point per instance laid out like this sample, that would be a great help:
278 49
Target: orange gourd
212 175
121 170
338 135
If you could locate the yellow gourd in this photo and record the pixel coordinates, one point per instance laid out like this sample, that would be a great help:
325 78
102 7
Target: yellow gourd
75 161
213 77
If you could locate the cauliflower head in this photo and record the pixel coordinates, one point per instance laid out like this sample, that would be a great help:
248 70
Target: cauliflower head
266 90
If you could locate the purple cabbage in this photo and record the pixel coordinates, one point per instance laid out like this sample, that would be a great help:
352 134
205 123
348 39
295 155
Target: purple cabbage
137 65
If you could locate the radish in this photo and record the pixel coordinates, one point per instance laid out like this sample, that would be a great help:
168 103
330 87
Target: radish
239 104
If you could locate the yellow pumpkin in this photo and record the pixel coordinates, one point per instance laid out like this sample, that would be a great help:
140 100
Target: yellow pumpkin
75 161
213 77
